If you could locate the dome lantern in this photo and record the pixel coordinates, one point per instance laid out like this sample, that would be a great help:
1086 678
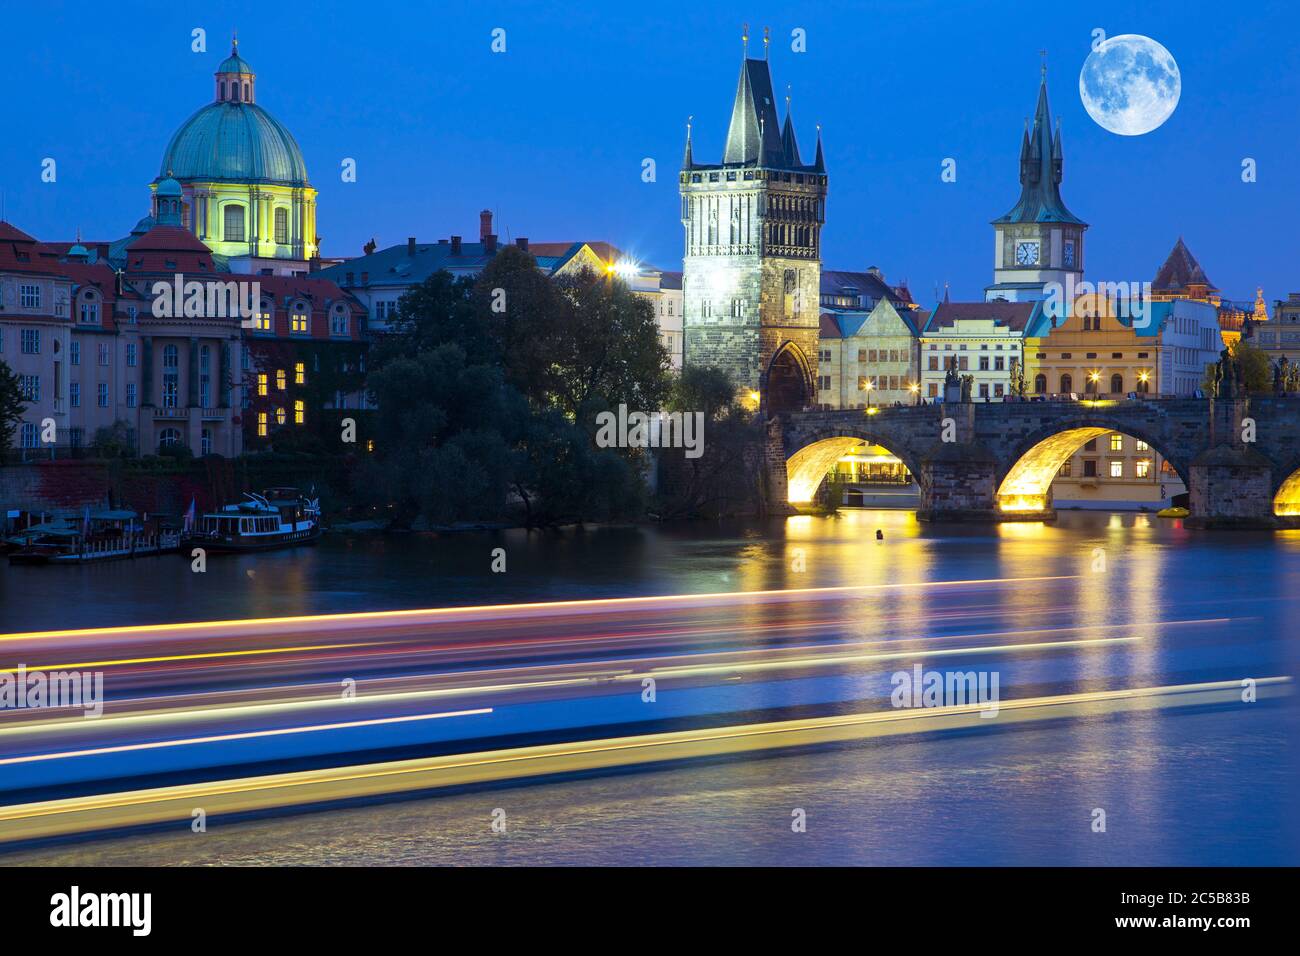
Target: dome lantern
236 81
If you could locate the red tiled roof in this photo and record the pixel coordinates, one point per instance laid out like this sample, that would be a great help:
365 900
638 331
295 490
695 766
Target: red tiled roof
827 327
1014 315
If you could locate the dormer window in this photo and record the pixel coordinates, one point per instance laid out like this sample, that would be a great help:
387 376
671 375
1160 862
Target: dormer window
298 319
88 314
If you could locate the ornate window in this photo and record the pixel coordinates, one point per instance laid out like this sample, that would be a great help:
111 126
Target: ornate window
233 230
282 225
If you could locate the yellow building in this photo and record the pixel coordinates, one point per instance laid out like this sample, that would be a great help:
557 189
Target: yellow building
1088 353
245 187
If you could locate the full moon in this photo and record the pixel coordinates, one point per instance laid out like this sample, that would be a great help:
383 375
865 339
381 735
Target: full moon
1130 84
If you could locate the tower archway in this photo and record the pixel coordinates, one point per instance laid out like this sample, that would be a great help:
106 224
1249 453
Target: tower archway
788 383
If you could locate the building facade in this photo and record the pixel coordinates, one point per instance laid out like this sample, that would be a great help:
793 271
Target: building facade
867 358
752 265
984 340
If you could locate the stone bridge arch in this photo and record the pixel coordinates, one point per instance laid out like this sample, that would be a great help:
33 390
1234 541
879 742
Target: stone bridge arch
1027 467
811 448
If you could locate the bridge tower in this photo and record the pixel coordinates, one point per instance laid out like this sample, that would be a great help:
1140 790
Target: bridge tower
752 266
1039 240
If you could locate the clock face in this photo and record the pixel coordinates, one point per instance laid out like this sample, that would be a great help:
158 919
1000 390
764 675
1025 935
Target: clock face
1027 254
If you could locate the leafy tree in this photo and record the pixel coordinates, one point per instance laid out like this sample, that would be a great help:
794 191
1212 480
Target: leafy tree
728 477
1256 371
436 312
520 310
606 350
443 437
113 441
11 406
562 478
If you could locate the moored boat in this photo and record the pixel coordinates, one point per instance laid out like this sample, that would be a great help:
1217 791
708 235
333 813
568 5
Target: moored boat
277 518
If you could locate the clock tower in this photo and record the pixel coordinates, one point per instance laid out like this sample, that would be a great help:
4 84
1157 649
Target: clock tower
1039 241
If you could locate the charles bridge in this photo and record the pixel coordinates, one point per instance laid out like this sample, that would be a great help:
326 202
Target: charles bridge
1240 459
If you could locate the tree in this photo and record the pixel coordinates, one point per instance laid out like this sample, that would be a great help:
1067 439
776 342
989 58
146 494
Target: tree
113 441
1256 372
11 406
606 349
520 311
444 434
436 312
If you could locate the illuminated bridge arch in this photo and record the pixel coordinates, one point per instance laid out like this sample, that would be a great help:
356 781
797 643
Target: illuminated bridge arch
1286 494
807 467
1033 465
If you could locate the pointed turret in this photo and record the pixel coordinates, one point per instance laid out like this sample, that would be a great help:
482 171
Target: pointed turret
754 134
1041 164
688 160
819 164
789 144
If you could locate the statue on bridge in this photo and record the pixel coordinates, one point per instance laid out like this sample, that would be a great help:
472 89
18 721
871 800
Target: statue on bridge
1227 378
953 389
967 384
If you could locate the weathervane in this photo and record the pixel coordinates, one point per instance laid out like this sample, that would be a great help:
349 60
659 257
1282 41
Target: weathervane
744 37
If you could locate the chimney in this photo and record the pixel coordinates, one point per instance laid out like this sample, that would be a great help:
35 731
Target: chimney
522 243
484 225
410 246
455 245
490 244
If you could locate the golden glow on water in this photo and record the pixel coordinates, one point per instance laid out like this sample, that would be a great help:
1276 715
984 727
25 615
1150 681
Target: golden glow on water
808 466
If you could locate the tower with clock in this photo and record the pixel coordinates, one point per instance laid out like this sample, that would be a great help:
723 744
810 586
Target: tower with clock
1039 241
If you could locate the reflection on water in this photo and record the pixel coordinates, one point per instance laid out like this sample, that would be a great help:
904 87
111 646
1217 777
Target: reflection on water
1179 788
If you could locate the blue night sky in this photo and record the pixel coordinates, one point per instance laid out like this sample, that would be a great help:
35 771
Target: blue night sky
552 134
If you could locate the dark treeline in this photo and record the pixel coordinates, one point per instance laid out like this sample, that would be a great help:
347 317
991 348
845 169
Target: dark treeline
488 392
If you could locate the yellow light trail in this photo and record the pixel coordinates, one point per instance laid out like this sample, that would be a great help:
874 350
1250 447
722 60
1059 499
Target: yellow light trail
589 604
176 803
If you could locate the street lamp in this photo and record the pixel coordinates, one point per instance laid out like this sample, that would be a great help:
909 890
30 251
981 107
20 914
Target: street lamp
915 389
869 386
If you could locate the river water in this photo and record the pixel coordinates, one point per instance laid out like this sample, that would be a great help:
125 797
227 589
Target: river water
1196 786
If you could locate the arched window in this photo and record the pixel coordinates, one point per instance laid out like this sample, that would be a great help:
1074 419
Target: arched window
298 318
1040 383
1067 384
169 438
1117 384
233 223
206 441
234 91
1090 385
282 225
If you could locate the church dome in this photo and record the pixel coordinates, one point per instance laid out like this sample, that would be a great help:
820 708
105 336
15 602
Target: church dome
233 139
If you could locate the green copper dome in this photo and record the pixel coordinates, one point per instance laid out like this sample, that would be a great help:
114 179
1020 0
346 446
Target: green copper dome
234 64
234 142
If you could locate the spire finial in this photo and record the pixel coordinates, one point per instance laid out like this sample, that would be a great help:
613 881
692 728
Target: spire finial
234 43
744 39
767 39
1043 54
